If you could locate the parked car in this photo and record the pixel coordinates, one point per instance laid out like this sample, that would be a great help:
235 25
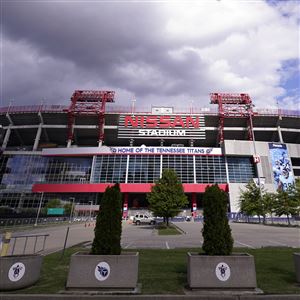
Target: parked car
143 219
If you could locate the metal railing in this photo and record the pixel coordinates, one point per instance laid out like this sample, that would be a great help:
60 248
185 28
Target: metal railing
34 109
27 242
146 110
12 222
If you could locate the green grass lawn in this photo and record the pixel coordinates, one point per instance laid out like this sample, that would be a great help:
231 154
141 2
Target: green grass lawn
170 230
54 273
275 270
164 271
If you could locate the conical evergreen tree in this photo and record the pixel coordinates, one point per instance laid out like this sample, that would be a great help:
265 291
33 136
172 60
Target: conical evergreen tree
216 231
108 228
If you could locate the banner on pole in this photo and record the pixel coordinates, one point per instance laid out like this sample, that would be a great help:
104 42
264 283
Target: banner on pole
281 166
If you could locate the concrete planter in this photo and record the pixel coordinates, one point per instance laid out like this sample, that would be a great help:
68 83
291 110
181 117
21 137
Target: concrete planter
236 271
19 271
93 272
297 265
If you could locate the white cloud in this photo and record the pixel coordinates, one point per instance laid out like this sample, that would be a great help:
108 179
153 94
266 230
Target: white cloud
163 53
290 102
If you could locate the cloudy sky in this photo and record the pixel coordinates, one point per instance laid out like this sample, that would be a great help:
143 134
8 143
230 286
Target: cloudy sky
158 52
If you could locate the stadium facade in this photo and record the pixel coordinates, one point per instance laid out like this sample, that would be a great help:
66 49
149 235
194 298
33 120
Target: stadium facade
74 152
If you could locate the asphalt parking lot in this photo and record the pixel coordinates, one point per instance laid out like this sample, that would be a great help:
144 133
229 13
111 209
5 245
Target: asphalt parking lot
145 236
245 235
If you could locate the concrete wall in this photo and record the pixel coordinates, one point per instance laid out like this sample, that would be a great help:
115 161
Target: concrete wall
294 150
234 194
233 147
245 148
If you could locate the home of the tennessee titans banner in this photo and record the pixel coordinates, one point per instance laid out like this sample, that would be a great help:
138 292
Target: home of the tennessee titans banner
281 166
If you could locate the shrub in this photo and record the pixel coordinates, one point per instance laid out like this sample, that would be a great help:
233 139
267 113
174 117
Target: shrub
216 231
108 228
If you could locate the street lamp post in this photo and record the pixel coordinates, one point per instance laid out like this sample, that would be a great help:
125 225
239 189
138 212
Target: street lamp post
39 209
249 109
91 202
72 208
133 106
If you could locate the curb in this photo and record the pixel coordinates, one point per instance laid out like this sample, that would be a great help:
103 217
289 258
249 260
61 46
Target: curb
147 297
179 229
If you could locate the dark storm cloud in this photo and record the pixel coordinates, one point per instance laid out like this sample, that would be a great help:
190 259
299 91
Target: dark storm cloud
156 52
107 44
86 33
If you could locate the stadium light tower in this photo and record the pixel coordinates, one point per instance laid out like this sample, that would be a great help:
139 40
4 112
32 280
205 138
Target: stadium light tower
231 105
191 107
91 204
133 101
89 103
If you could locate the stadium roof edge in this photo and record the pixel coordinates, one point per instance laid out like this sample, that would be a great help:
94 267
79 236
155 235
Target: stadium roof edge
128 109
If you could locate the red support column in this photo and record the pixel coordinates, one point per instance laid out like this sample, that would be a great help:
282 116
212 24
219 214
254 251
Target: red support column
194 204
125 206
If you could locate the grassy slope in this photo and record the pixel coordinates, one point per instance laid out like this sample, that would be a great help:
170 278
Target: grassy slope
171 230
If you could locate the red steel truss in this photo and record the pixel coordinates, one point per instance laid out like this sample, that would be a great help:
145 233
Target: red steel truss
89 103
233 106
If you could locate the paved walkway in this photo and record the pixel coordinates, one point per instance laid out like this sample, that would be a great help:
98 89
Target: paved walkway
78 233
245 235
139 237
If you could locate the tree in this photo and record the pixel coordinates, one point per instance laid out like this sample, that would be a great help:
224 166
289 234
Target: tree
251 201
167 196
296 189
287 203
268 200
216 230
108 230
68 207
53 203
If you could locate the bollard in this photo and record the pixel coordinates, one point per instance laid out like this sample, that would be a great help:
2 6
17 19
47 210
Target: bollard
65 244
5 244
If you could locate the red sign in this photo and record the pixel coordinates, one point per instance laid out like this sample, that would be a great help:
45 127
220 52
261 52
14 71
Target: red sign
256 159
161 126
161 122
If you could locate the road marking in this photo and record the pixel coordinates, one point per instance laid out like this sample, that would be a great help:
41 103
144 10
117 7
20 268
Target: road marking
47 252
167 245
128 245
278 243
245 245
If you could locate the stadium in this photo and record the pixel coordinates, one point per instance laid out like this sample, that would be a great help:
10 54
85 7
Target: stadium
74 152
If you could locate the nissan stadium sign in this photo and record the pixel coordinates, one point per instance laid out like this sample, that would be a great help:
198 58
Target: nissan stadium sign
161 126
